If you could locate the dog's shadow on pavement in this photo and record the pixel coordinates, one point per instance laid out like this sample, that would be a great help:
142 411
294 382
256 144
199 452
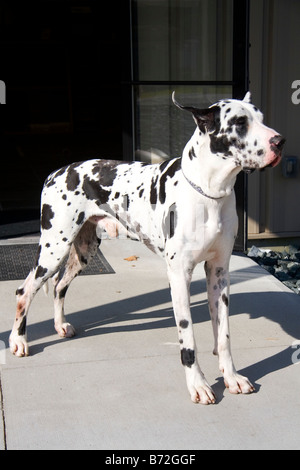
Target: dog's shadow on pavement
282 308
258 370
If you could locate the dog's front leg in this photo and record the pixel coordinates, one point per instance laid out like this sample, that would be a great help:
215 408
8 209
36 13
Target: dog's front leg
217 275
198 387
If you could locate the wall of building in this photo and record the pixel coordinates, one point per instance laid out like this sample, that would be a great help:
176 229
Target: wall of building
274 82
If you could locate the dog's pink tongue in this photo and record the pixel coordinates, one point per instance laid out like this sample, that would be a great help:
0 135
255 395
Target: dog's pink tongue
276 161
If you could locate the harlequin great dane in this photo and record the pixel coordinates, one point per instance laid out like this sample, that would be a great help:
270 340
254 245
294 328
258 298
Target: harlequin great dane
183 209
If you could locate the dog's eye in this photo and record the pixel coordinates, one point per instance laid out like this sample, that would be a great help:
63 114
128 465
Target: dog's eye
241 121
241 126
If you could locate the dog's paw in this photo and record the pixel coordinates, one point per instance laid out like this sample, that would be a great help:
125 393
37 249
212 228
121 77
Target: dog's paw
199 389
18 345
238 384
203 395
65 330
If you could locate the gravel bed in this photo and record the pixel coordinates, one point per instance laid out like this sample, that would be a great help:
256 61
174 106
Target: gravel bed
284 265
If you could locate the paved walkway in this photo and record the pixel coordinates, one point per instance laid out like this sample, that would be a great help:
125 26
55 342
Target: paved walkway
119 383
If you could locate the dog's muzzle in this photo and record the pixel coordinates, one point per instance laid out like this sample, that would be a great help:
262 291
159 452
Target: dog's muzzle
276 144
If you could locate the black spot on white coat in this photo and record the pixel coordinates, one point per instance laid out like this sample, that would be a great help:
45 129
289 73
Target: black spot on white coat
72 179
80 218
192 153
22 327
187 357
107 176
169 173
40 272
225 299
153 191
94 191
184 324
170 222
47 216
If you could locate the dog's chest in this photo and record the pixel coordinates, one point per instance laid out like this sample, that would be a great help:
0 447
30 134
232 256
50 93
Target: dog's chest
201 224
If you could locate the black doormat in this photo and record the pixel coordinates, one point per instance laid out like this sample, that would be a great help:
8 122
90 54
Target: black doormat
17 260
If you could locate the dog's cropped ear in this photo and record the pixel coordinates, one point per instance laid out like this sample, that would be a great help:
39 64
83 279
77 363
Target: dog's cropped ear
204 118
247 98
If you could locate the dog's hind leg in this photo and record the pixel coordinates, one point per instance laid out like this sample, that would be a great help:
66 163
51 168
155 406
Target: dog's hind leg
82 250
45 266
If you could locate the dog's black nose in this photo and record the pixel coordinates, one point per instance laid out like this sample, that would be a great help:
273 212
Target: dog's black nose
277 142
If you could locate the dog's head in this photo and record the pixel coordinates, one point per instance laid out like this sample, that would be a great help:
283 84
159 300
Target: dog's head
236 131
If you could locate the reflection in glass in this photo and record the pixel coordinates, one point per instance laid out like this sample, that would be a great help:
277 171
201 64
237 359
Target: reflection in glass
183 40
162 129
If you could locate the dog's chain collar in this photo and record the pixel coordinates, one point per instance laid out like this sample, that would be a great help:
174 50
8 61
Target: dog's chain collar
200 190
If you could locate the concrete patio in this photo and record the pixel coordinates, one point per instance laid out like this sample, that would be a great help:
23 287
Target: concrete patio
119 384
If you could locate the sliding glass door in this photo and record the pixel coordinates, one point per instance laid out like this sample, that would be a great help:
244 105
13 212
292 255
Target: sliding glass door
180 45
197 48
